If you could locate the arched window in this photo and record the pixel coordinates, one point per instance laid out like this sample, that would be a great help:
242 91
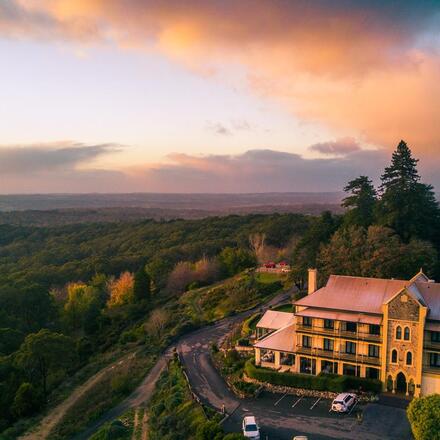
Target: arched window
398 332
406 334
409 358
394 356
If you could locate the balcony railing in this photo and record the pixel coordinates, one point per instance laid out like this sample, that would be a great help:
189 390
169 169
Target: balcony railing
431 369
338 355
336 333
431 345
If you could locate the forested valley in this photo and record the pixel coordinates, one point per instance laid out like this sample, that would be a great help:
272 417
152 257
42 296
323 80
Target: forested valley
73 297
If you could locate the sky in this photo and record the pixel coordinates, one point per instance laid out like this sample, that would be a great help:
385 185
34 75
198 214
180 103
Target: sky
214 96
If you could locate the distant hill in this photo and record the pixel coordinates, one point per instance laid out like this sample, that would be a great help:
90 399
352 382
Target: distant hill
59 209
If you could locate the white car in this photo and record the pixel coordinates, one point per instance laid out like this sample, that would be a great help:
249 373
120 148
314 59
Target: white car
250 428
300 437
343 402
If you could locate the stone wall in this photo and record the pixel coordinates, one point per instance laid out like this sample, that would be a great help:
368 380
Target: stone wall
403 311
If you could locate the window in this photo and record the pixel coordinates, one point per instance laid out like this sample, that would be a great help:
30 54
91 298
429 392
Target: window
350 347
307 321
372 373
374 329
351 370
307 366
329 323
307 341
409 358
373 350
328 344
434 360
329 367
398 332
394 356
406 334
351 327
435 336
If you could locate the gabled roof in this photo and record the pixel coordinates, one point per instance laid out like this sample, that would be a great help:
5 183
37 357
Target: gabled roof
367 295
431 294
356 294
274 320
281 340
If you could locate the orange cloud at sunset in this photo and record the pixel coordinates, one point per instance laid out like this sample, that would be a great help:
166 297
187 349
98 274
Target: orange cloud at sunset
371 72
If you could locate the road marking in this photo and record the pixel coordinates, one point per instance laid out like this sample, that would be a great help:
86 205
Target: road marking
296 402
279 400
315 403
352 408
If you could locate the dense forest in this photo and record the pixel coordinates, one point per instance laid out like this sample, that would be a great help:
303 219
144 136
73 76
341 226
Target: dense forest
68 293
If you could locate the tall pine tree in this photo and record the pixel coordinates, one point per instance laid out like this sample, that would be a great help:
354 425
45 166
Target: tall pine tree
142 285
406 205
360 203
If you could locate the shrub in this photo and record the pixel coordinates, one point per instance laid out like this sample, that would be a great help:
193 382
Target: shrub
27 400
244 342
120 384
424 417
322 382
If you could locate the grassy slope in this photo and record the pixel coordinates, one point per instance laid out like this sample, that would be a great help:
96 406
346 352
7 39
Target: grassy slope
198 307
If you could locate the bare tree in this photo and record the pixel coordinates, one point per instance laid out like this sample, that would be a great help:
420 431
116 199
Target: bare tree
257 244
182 275
206 270
157 323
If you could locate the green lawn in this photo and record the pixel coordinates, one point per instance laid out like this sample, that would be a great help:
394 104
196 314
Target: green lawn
269 277
284 308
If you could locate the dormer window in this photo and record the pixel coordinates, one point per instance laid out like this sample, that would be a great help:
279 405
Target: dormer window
406 334
398 332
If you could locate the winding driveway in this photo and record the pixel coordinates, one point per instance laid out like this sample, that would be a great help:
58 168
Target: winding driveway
280 416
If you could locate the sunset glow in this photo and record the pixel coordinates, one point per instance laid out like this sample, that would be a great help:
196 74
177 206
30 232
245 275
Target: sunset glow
190 96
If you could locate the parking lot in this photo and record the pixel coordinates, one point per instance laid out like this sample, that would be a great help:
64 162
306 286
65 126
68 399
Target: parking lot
283 416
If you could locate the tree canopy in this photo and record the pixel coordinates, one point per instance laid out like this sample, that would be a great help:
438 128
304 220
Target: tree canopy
361 202
406 205
424 417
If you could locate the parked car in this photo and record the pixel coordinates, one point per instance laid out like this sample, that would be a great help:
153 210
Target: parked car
343 402
250 428
300 437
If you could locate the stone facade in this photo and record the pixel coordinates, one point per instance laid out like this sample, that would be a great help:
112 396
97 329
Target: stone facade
403 337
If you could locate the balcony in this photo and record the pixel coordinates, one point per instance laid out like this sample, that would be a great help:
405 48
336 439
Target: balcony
431 345
338 355
427 368
338 333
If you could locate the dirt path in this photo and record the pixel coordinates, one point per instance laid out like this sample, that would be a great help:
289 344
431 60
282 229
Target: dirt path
46 425
138 398
145 426
135 423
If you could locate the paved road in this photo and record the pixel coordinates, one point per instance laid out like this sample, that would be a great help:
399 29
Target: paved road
143 393
282 417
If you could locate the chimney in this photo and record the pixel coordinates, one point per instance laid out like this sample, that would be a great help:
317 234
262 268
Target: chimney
313 281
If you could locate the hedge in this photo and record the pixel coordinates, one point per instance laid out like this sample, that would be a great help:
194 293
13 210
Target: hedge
322 382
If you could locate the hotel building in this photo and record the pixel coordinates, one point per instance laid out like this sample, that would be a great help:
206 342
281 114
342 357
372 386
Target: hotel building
382 329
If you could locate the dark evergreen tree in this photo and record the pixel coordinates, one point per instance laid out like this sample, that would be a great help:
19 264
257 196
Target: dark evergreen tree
306 251
360 203
406 205
142 285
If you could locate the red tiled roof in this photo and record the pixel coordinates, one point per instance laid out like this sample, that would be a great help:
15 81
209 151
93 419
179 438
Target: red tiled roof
274 320
367 295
